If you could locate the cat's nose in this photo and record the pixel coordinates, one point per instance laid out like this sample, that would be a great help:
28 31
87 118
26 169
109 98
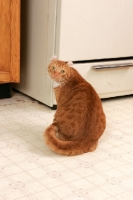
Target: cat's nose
56 74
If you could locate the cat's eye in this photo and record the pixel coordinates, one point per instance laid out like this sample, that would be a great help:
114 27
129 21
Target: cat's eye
62 71
52 67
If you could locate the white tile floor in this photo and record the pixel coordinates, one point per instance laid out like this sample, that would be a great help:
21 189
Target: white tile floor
30 171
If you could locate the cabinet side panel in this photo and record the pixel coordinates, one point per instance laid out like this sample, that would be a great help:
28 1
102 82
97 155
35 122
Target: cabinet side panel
5 36
15 41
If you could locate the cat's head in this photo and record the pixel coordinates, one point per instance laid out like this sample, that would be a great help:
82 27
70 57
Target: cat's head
59 71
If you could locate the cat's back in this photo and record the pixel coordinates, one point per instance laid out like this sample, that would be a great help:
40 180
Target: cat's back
80 108
79 96
79 90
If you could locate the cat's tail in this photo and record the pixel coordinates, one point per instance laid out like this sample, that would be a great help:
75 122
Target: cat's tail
59 146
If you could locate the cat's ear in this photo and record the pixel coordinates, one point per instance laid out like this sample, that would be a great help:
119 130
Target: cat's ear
70 63
53 58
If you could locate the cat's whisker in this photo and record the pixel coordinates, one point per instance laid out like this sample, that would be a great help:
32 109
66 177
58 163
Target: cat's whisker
45 76
44 79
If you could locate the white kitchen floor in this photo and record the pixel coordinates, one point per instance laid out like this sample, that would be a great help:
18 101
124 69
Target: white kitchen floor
30 171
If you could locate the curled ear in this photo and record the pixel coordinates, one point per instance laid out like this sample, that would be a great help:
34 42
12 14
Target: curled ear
53 58
70 63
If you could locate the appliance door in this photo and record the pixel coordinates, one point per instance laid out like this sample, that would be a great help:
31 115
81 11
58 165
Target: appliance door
94 29
110 79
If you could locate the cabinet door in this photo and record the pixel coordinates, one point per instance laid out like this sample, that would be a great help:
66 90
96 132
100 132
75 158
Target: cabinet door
9 41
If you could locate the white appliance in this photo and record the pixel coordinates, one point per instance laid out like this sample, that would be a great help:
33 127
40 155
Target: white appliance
97 35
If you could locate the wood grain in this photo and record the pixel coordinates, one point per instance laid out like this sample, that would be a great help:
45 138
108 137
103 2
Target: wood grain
9 40
15 40
5 38
4 77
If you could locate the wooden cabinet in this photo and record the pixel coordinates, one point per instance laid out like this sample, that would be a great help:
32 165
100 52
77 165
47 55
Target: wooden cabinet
9 41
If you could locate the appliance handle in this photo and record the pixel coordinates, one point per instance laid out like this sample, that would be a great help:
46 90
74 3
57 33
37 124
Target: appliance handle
112 66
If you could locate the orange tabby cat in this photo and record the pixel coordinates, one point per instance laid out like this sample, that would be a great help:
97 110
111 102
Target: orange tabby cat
79 119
